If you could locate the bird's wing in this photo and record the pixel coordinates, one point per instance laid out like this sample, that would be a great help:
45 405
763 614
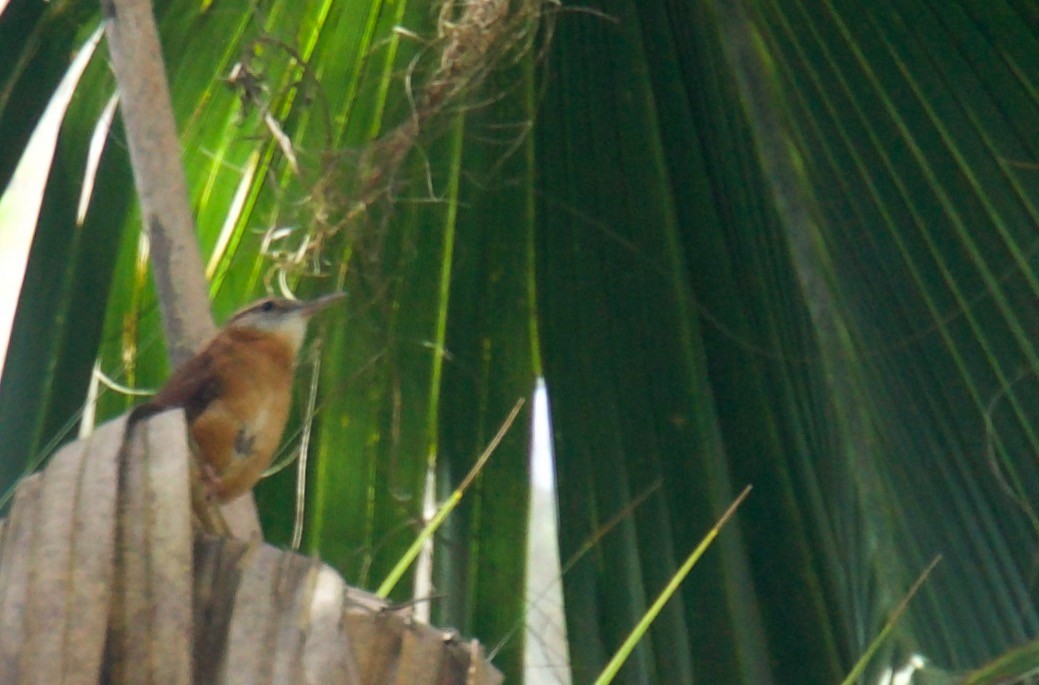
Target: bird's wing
192 386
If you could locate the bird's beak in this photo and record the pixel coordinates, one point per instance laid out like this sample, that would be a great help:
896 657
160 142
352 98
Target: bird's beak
311 307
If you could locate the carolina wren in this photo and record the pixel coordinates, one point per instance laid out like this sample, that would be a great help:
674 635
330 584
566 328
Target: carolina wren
236 392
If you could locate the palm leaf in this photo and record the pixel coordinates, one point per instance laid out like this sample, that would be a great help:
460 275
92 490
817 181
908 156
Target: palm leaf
780 244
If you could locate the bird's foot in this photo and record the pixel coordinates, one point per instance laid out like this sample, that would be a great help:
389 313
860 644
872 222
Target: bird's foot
206 487
211 483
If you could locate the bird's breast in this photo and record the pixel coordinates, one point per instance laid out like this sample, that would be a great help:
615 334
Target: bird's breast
246 419
260 391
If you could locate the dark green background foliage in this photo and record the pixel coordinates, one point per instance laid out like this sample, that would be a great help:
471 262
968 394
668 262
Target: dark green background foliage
785 244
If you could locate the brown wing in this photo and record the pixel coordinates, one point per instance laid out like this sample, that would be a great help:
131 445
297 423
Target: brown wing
192 386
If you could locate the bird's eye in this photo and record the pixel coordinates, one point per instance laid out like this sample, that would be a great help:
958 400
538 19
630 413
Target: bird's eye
267 306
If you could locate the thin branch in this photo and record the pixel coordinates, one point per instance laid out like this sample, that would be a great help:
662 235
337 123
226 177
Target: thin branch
133 44
151 135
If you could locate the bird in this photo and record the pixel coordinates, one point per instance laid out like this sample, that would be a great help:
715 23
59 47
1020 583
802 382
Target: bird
236 392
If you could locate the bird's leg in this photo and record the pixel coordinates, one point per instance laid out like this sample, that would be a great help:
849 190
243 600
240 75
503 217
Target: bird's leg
211 481
205 508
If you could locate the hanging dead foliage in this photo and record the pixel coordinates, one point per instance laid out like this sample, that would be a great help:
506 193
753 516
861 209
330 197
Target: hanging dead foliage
474 38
